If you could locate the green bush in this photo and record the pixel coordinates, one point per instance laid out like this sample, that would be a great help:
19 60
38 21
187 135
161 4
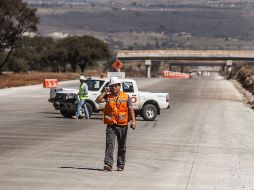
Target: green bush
19 65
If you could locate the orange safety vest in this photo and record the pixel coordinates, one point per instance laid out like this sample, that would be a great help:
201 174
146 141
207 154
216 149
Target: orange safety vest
116 110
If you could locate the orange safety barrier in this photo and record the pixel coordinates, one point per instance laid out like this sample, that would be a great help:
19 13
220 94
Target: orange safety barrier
50 83
170 74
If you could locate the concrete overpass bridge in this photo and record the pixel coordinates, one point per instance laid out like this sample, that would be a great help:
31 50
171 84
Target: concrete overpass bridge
187 57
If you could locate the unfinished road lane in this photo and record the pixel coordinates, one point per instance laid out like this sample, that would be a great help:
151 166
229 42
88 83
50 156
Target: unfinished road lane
204 141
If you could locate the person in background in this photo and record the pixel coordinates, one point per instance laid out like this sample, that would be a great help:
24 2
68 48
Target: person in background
83 95
117 112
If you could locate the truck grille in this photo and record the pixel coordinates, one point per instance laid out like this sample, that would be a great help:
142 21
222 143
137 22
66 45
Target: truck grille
60 96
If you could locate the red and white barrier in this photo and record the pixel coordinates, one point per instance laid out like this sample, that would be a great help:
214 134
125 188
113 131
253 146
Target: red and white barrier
170 74
50 83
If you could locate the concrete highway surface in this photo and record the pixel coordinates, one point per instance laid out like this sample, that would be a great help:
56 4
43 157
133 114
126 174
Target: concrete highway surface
204 141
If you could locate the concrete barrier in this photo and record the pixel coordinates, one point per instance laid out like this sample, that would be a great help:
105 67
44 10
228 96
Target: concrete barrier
170 74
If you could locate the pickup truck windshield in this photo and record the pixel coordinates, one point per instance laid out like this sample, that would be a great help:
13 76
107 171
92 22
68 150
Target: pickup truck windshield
94 85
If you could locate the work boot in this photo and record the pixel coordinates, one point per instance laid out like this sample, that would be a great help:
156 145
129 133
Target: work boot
82 115
120 169
108 167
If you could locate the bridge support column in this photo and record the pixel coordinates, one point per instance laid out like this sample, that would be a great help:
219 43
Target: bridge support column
229 64
182 68
223 68
170 67
148 64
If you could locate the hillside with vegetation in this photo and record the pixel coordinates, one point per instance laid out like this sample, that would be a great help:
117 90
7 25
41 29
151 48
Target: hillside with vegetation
20 52
160 24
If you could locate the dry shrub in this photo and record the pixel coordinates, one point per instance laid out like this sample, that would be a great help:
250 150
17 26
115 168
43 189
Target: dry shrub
246 77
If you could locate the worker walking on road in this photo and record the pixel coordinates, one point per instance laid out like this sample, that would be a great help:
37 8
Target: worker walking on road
117 112
83 95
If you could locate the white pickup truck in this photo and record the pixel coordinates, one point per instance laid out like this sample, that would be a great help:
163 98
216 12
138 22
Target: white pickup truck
146 104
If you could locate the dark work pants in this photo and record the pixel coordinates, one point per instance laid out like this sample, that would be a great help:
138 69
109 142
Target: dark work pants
120 132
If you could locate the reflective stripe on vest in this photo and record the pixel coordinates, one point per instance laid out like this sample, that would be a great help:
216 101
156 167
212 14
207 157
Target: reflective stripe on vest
116 110
82 90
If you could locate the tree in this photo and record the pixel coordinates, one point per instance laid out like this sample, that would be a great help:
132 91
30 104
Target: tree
83 51
58 57
18 64
15 19
30 55
34 51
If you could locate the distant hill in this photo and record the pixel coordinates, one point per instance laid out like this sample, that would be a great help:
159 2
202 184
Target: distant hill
224 20
144 2
202 23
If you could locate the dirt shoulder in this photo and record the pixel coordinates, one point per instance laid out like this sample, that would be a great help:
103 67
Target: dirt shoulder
8 80
248 98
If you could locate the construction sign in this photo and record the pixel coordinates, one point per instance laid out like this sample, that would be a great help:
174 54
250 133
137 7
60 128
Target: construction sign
117 65
116 74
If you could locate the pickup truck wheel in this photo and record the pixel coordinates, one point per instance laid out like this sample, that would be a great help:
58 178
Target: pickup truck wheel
66 114
149 112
